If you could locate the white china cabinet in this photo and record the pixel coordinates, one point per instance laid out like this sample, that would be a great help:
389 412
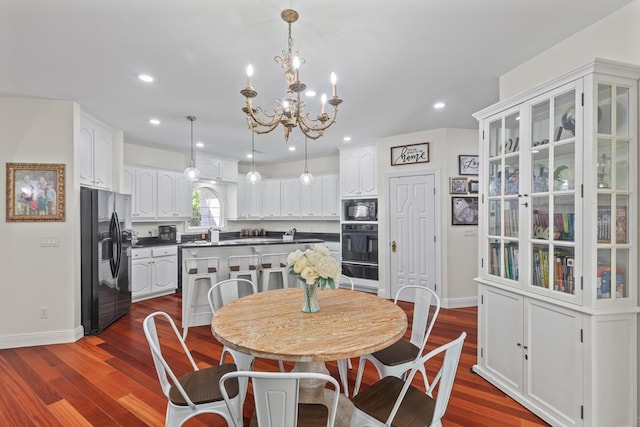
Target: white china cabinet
558 255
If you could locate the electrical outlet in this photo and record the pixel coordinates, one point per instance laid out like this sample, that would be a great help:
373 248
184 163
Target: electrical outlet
49 241
43 312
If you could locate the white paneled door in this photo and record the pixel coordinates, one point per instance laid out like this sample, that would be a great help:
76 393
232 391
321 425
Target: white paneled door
412 209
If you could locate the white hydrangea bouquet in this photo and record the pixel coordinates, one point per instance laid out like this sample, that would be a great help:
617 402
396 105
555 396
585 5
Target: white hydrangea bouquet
316 268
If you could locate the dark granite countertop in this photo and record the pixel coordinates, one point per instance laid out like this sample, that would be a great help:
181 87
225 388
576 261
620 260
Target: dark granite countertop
234 239
248 241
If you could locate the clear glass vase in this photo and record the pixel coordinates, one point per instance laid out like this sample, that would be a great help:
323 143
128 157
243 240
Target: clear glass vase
310 298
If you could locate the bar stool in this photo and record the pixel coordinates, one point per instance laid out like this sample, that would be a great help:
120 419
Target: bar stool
244 266
198 270
273 264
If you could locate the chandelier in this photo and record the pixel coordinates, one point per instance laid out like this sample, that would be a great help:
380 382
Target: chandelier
289 112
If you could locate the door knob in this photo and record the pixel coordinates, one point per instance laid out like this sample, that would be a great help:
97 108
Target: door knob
393 246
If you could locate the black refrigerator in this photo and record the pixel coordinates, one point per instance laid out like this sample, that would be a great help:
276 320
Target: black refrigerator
105 238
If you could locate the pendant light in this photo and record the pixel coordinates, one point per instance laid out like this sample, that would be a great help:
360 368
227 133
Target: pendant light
253 176
192 173
306 178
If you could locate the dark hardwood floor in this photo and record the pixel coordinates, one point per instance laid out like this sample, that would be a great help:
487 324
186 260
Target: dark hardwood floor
110 380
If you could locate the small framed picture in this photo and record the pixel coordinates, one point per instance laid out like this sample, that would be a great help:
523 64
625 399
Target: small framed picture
458 185
474 186
35 192
468 164
464 211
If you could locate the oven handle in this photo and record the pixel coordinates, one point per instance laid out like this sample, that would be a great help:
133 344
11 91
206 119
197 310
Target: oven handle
364 264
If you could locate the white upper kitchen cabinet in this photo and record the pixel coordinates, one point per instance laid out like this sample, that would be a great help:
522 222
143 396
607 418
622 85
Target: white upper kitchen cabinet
358 172
174 195
290 191
310 203
331 197
270 198
217 169
95 148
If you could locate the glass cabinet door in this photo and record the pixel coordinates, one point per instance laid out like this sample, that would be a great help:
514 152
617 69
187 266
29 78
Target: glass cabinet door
503 180
613 192
552 194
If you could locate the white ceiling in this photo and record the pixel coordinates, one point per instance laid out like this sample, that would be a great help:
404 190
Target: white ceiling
394 60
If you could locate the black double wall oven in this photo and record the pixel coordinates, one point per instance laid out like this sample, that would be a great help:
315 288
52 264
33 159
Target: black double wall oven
360 250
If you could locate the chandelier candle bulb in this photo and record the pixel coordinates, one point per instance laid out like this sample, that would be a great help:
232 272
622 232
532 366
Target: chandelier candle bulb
334 80
249 75
323 100
296 66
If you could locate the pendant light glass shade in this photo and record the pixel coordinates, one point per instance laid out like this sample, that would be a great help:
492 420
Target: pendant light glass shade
253 176
192 173
306 178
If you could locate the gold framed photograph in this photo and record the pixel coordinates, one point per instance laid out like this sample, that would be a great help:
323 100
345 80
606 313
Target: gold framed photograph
35 192
458 185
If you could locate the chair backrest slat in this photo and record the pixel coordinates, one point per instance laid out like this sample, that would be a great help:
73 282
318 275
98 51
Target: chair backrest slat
426 307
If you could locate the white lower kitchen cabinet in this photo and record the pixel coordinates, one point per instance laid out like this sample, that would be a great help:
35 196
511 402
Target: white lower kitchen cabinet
154 272
560 363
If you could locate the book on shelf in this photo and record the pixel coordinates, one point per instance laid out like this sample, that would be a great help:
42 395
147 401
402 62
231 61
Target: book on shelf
604 227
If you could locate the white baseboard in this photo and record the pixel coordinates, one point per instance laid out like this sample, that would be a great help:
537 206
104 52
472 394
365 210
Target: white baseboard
41 338
460 302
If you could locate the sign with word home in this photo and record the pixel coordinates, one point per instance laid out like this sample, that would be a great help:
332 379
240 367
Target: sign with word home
410 154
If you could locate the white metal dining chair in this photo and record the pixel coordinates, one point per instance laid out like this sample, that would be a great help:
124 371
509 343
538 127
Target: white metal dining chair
190 394
276 399
344 364
392 401
403 355
222 293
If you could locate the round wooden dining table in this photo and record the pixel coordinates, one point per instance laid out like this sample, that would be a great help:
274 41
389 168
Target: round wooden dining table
272 325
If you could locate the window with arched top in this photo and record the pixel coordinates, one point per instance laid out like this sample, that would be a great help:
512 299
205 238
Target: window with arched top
207 209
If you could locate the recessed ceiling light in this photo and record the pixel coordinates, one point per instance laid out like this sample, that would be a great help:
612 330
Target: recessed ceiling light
147 78
310 93
199 144
154 121
213 182
292 148
439 105
347 138
249 155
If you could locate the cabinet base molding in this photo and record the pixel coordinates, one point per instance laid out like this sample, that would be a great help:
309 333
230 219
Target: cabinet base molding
154 295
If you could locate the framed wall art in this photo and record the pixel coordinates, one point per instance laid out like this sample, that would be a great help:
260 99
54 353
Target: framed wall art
410 154
458 185
464 211
474 186
35 192
468 164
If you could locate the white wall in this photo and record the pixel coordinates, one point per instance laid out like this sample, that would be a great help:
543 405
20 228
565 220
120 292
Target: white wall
615 37
458 248
39 131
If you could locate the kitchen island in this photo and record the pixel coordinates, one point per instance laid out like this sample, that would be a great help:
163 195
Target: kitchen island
201 313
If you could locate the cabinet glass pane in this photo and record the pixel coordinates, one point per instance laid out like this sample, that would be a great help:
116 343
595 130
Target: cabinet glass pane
622 271
622 210
540 266
540 219
494 257
494 218
511 260
603 220
622 112
511 218
495 178
540 171
563 174
494 138
563 218
604 109
622 165
511 175
603 165
564 116
563 274
540 114
512 133
603 278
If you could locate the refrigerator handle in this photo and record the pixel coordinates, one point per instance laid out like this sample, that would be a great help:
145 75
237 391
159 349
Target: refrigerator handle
113 262
118 241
